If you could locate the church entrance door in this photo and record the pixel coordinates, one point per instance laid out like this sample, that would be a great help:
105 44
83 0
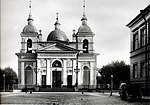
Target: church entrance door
56 75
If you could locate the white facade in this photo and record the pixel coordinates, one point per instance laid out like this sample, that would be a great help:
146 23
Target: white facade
54 63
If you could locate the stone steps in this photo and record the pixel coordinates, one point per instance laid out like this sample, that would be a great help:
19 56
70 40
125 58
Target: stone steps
56 89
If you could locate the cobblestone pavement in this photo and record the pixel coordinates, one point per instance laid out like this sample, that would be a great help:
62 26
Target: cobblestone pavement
66 98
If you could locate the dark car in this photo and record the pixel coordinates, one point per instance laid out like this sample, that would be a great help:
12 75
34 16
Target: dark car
127 91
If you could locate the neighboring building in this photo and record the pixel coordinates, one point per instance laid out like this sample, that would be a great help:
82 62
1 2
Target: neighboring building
140 49
54 62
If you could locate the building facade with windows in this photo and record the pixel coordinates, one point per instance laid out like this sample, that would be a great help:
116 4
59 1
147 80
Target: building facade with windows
57 62
140 49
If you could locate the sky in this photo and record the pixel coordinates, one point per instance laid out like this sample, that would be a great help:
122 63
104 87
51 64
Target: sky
106 18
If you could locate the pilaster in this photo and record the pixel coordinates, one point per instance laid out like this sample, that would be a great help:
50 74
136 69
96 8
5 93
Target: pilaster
65 72
39 72
74 73
92 73
48 75
22 74
34 73
79 74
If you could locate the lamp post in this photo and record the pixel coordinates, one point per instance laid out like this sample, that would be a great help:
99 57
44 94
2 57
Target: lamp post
36 71
111 85
76 70
4 81
146 60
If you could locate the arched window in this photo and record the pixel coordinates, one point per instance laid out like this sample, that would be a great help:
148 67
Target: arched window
85 46
56 64
29 46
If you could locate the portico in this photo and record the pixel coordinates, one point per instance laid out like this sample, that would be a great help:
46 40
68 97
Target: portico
56 67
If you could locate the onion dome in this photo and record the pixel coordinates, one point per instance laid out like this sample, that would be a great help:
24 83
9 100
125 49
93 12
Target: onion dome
57 34
29 28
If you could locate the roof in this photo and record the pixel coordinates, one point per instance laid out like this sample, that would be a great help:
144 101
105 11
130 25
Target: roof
29 29
145 12
56 47
84 28
57 35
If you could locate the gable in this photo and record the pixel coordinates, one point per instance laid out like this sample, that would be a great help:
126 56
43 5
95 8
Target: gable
56 47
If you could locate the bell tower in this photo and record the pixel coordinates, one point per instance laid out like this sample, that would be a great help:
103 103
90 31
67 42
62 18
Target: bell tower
27 56
86 59
30 36
84 35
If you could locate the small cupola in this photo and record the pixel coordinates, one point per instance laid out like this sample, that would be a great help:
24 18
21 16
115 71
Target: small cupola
84 20
30 20
57 23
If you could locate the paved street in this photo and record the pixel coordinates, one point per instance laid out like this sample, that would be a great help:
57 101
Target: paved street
66 98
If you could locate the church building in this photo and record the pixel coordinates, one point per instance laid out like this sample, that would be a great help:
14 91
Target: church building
57 62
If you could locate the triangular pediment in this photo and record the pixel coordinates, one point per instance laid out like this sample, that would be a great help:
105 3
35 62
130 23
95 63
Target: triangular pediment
57 47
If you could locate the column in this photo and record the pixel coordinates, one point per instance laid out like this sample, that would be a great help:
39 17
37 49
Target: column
34 73
51 79
22 74
48 79
74 74
92 73
95 74
23 45
79 74
65 72
38 72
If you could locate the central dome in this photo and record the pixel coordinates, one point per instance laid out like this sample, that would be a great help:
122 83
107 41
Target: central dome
57 35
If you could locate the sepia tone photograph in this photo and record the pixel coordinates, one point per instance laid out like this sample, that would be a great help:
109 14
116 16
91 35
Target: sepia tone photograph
75 52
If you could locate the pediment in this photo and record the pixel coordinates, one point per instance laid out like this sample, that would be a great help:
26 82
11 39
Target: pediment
57 47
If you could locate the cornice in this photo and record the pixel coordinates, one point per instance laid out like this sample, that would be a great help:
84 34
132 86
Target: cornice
139 17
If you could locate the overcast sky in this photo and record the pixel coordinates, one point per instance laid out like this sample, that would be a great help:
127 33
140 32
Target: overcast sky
106 18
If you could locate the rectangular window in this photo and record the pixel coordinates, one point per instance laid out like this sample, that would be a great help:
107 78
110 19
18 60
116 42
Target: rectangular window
142 69
143 36
135 70
135 41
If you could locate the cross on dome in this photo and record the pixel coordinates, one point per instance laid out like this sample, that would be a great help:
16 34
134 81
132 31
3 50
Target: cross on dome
30 7
30 15
57 16
83 7
84 19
